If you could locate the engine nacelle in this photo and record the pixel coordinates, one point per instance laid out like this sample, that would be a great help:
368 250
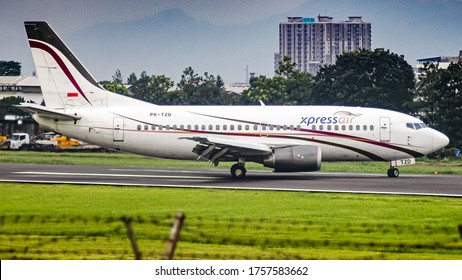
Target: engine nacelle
295 159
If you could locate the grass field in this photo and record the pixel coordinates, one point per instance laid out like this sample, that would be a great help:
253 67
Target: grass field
39 221
82 222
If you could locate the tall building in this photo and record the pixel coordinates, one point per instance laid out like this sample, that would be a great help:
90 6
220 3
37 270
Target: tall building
312 44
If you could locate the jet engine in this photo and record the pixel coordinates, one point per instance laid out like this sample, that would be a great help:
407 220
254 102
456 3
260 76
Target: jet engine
294 159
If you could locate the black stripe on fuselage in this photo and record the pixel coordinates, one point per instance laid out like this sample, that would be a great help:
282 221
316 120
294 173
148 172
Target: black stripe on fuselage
326 133
368 154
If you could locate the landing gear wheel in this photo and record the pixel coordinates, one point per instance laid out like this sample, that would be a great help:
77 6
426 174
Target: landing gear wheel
238 171
393 172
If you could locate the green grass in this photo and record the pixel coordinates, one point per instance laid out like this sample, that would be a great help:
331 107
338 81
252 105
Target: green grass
41 221
423 166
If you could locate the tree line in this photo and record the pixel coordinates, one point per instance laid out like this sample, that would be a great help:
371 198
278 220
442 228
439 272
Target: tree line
378 78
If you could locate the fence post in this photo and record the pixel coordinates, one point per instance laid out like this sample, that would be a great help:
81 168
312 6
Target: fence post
460 230
131 236
174 236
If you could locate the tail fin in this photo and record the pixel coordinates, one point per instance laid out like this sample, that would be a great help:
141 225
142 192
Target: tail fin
65 82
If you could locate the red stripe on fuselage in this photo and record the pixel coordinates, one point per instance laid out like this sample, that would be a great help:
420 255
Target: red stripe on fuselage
46 48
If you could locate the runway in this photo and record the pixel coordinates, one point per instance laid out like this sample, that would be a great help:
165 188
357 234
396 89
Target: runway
406 184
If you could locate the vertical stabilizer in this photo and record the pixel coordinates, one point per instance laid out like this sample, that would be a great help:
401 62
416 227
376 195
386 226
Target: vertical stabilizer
64 80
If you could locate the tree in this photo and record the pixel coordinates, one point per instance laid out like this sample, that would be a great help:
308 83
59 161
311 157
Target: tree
131 79
153 89
140 89
116 85
288 87
10 68
286 68
367 78
158 88
7 107
117 78
201 90
271 91
439 93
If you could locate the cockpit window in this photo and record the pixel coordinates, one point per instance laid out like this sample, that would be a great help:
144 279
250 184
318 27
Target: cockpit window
416 126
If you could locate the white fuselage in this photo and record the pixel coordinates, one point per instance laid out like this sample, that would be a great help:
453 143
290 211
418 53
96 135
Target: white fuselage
342 133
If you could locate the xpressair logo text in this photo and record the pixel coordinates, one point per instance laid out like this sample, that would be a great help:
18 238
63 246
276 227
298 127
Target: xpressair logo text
340 117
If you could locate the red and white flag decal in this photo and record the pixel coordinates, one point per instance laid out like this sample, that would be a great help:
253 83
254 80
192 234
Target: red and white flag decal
72 94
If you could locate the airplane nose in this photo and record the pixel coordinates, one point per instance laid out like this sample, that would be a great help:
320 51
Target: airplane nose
439 140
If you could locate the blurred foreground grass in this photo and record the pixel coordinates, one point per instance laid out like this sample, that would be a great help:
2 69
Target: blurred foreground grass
40 221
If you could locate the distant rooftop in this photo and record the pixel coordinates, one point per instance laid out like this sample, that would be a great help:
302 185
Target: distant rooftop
20 81
351 19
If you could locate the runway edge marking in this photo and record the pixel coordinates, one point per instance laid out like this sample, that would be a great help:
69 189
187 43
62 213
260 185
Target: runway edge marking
224 188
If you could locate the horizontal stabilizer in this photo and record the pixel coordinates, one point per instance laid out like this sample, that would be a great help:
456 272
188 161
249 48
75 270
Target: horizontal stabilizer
47 113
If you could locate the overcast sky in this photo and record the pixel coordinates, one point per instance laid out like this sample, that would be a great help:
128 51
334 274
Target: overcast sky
414 28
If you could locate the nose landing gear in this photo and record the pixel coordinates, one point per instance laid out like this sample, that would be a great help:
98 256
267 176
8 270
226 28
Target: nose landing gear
393 172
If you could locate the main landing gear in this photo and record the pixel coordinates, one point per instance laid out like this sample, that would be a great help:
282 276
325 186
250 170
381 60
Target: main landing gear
238 170
393 172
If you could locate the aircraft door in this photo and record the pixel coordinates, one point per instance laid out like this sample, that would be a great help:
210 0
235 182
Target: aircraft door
385 130
118 129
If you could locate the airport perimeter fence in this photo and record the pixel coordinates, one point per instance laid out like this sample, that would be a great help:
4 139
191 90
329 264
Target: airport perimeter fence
77 237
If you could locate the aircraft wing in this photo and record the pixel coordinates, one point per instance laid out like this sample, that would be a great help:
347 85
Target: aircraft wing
47 113
213 149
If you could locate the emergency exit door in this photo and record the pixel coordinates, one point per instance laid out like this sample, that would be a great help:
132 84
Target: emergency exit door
385 131
118 129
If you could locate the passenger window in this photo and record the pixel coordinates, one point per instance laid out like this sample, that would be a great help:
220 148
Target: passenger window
196 127
336 127
239 127
160 127
146 127
321 127
231 127
299 128
291 127
343 127
182 127
203 127
313 127
365 127
263 127
255 127
371 128
358 127
225 127
174 127
138 127
329 127
247 127
167 127
350 127
271 127
217 127
210 127
278 127
189 127
153 127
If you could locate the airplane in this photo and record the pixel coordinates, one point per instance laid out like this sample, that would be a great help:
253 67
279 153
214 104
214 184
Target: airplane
284 138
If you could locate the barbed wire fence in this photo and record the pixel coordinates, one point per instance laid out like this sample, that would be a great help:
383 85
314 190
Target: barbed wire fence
138 237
